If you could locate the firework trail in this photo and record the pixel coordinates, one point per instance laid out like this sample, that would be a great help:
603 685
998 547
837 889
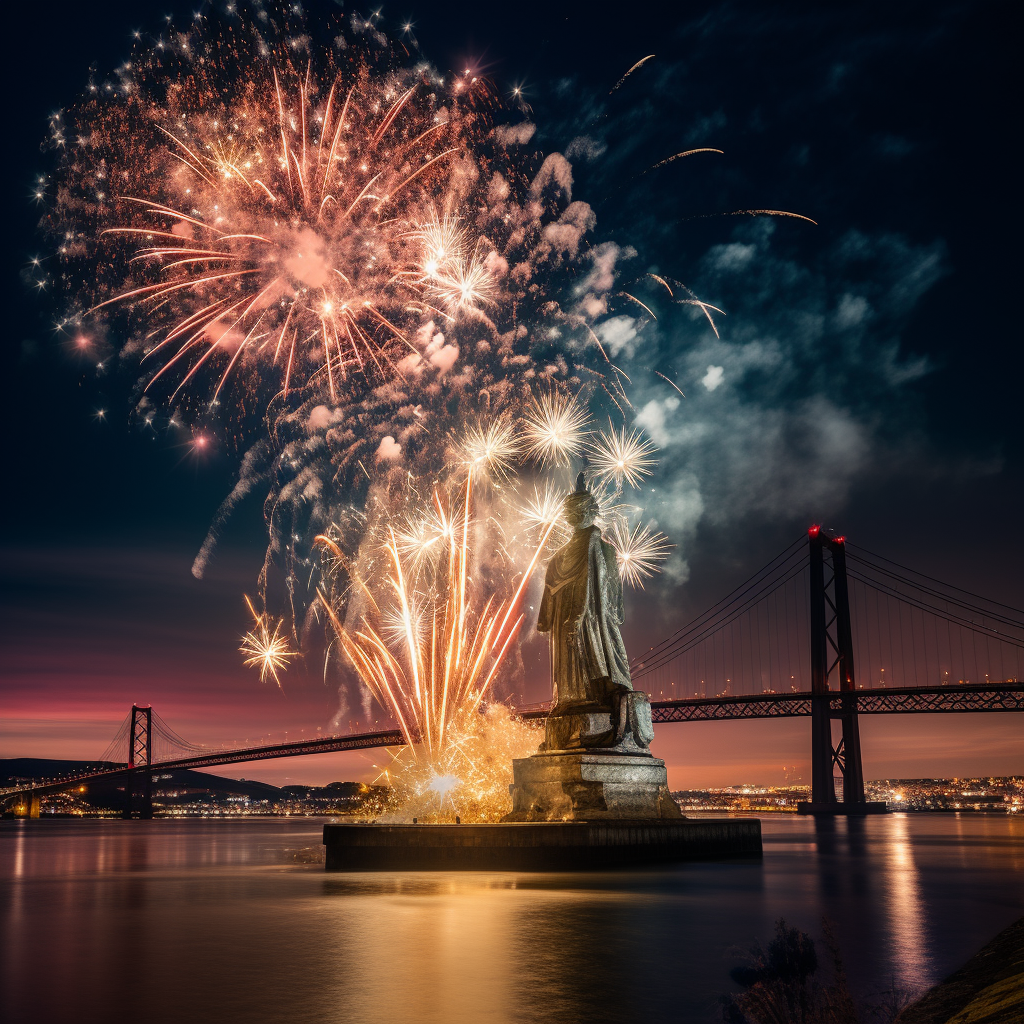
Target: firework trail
450 649
639 64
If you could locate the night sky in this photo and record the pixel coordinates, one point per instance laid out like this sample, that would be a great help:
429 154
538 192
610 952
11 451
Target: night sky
868 374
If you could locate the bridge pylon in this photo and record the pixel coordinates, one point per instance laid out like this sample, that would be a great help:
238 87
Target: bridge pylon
27 805
832 658
138 786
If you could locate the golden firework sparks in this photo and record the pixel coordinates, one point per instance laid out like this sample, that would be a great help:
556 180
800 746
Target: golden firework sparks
640 550
265 647
622 457
471 777
542 510
424 536
446 646
555 429
490 451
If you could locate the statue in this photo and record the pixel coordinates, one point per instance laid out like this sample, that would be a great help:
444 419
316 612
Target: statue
595 762
594 702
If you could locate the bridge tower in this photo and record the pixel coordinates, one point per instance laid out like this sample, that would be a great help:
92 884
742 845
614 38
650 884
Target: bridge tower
832 659
138 787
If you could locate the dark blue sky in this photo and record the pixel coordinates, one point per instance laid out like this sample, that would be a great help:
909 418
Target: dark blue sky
869 367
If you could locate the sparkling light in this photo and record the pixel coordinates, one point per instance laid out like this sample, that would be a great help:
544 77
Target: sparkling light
641 551
555 427
622 457
265 647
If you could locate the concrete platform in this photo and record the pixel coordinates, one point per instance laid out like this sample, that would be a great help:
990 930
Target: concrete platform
539 846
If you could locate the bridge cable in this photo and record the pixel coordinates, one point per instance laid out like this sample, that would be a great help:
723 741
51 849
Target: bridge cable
853 553
721 607
697 631
919 603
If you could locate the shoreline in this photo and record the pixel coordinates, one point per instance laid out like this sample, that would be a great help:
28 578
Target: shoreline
988 989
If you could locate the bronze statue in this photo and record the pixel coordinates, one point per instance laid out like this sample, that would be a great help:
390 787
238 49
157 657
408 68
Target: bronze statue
594 702
595 762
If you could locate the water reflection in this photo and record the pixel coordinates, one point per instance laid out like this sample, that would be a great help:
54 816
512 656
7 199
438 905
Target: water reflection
214 921
906 911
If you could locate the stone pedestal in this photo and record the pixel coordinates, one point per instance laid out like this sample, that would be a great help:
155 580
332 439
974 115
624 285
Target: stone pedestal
590 785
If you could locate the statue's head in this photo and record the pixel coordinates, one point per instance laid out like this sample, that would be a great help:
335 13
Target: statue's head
580 508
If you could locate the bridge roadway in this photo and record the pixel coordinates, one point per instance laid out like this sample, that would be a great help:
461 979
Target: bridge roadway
968 697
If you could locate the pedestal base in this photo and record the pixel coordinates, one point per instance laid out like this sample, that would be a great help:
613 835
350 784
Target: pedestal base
590 785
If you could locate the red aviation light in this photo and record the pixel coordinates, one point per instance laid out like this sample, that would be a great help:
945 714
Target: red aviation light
839 540
814 530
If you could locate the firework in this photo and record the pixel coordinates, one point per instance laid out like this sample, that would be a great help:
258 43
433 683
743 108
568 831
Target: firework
429 654
471 777
621 457
490 451
425 536
344 251
555 428
450 647
640 551
542 510
265 647
280 219
336 256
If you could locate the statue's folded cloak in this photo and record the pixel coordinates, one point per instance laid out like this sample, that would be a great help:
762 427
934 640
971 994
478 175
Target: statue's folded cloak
582 609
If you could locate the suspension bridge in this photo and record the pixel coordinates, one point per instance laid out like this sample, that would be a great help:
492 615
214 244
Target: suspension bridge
825 630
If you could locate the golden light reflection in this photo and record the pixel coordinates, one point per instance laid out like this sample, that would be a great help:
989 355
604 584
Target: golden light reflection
911 959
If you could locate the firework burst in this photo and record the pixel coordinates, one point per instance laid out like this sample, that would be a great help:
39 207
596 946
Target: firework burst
640 550
263 216
265 647
555 427
622 457
541 510
490 451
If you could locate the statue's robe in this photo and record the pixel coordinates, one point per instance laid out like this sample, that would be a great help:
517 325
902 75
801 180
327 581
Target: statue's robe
582 609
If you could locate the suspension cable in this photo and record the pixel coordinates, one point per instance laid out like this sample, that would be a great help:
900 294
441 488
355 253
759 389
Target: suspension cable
722 606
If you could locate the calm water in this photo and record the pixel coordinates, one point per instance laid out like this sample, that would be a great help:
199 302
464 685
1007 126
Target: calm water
178 921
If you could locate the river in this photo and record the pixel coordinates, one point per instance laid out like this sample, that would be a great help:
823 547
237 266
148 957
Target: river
175 921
